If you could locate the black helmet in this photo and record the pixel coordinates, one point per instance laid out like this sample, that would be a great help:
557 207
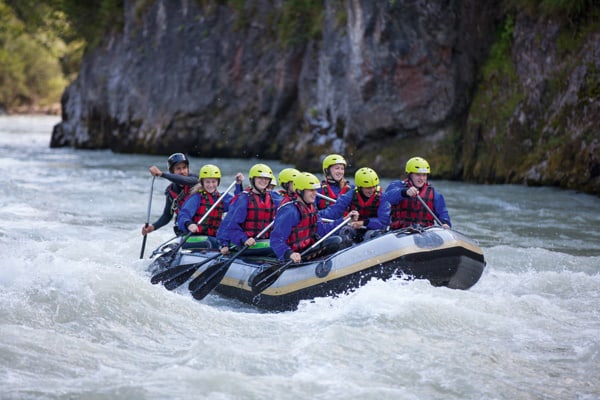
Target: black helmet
175 159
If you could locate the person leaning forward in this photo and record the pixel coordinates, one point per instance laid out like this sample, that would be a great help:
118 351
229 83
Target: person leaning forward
365 199
298 225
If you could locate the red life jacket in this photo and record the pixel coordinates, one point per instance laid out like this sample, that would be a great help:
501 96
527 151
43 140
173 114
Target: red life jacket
327 191
410 210
285 197
259 214
366 209
304 234
178 198
211 223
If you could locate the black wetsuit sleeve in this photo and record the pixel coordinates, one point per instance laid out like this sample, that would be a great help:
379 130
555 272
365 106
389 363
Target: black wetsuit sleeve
180 179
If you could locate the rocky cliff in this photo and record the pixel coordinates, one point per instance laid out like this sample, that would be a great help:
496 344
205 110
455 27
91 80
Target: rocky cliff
376 81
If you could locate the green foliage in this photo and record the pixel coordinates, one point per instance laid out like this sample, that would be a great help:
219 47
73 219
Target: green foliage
499 61
42 43
30 73
301 21
572 10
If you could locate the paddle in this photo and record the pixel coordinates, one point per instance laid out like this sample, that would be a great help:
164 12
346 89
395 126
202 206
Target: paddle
430 211
325 197
266 278
159 247
172 273
209 279
186 273
167 276
147 217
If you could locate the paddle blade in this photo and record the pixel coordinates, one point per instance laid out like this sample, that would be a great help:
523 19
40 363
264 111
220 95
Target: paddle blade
266 278
209 284
209 280
179 280
143 245
171 273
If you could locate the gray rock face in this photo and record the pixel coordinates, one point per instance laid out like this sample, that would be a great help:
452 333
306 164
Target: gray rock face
383 81
185 77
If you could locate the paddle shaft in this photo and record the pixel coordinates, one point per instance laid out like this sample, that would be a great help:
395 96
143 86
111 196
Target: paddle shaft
429 209
216 203
268 279
246 247
325 197
182 277
147 217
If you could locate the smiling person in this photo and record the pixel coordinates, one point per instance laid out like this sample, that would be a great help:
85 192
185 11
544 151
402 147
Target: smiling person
250 212
298 225
400 206
334 185
202 197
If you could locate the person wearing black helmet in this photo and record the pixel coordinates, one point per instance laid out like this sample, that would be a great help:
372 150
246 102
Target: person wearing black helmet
179 190
175 193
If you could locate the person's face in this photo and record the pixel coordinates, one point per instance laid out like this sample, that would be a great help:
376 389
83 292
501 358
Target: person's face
337 171
368 191
309 196
181 169
261 182
419 179
210 184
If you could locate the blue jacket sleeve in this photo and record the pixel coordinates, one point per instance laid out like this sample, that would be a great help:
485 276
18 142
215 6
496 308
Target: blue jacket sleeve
180 179
440 208
226 201
287 217
276 197
230 230
337 209
187 212
391 196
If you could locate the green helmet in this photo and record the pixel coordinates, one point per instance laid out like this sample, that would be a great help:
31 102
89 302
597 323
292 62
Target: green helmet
366 177
287 175
305 181
260 170
332 159
209 171
417 165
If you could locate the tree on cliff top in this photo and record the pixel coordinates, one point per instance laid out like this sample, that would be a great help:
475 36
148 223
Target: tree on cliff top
42 43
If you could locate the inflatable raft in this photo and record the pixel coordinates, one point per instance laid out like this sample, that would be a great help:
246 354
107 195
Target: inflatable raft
442 256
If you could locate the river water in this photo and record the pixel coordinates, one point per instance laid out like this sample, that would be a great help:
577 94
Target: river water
79 318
